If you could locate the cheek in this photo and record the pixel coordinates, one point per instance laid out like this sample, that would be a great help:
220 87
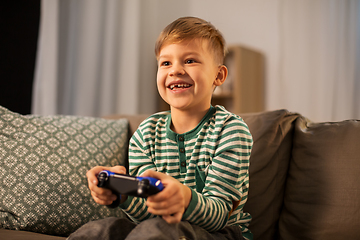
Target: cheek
160 78
160 82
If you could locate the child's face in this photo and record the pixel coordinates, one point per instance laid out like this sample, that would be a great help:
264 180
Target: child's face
187 75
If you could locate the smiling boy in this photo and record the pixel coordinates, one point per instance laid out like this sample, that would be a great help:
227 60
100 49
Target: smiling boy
199 152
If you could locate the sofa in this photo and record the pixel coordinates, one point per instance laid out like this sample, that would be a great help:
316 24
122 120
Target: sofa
304 176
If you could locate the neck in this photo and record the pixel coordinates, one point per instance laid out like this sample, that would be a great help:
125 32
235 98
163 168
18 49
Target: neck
184 121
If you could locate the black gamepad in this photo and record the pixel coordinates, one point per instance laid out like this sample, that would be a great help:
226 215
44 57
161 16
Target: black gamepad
121 184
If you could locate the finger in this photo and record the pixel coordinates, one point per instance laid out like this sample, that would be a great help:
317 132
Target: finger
171 194
101 195
118 169
165 207
92 175
154 174
94 172
103 201
164 199
166 211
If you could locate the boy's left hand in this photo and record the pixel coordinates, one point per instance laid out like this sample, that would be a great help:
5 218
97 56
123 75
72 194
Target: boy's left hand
172 201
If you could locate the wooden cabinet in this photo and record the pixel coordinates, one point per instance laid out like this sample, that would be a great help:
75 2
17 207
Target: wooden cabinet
243 90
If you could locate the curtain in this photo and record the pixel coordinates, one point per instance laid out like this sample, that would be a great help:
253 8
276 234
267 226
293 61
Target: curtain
319 65
45 85
80 58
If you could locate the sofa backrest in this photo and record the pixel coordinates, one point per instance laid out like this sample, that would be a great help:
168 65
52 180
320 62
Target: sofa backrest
134 122
303 176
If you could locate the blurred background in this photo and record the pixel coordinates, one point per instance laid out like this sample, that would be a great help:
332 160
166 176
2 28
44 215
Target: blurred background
96 57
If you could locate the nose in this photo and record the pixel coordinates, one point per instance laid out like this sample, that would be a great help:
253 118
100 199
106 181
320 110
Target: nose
177 69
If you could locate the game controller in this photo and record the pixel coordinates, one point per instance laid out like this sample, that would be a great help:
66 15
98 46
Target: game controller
121 184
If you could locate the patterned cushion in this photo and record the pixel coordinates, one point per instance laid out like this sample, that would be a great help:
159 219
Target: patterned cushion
43 162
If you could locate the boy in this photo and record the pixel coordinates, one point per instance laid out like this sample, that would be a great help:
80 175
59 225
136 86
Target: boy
199 152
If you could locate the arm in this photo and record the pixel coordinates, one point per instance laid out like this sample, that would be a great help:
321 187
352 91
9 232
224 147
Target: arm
226 182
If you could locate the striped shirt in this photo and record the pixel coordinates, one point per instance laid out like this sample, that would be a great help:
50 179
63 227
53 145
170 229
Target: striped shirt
212 160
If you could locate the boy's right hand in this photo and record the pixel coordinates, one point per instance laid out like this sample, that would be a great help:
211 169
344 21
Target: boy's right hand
101 195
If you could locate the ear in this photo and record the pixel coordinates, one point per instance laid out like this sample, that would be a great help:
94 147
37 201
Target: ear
221 76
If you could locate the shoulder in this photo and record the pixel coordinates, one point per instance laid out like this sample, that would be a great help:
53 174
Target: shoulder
157 120
154 125
231 130
226 119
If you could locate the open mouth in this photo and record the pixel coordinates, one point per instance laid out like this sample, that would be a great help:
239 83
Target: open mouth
179 86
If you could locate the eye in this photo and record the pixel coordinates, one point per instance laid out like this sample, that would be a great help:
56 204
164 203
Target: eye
189 61
165 63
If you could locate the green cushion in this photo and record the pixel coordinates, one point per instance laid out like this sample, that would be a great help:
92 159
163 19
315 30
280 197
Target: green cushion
43 165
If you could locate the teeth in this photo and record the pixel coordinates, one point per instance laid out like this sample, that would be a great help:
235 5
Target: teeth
181 85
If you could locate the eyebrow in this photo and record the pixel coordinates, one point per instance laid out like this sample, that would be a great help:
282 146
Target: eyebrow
184 54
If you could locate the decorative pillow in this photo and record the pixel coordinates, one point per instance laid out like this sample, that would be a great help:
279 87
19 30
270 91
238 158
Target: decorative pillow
322 196
43 165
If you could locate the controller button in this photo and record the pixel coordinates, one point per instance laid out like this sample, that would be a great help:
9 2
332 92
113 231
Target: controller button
140 191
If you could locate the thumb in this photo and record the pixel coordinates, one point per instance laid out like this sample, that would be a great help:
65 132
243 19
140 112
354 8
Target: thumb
118 169
153 174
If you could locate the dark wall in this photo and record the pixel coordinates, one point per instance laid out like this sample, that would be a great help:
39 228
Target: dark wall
19 27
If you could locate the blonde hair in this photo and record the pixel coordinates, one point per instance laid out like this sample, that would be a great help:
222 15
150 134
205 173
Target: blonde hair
189 28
